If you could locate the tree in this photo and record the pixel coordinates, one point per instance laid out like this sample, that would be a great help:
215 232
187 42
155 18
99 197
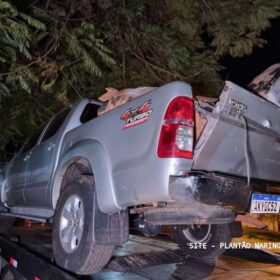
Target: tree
54 60
159 41
61 51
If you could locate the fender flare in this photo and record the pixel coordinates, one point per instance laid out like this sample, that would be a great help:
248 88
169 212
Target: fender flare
94 152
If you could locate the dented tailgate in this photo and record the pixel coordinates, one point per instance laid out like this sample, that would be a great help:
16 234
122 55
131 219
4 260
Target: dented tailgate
222 145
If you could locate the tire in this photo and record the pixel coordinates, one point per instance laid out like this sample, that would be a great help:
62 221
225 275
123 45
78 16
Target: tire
146 229
82 255
199 241
6 224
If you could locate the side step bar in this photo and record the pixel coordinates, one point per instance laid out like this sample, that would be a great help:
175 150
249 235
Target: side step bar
14 215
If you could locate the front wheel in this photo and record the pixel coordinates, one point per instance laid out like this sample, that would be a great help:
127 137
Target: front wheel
73 239
202 240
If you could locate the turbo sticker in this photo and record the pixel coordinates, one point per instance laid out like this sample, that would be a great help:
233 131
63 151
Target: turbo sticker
133 117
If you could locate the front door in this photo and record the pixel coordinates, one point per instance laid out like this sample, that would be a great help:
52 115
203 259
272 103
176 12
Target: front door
41 164
39 173
16 179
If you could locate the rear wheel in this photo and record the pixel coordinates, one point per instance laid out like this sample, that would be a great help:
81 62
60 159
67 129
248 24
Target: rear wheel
202 240
73 229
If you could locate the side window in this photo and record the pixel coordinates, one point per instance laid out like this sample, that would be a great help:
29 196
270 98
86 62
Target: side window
56 124
31 142
89 113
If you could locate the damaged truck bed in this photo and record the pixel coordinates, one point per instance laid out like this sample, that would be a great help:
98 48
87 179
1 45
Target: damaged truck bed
241 137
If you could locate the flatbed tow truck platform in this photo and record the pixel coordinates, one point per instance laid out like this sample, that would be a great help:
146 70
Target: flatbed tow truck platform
18 261
27 254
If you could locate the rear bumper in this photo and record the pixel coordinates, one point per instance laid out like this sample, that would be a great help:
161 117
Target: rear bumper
211 189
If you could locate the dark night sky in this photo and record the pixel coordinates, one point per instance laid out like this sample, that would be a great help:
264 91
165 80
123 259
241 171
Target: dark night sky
243 70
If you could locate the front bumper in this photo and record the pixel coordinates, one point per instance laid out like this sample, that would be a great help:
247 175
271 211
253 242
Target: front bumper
212 189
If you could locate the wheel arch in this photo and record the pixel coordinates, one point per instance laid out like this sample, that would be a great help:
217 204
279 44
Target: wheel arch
92 155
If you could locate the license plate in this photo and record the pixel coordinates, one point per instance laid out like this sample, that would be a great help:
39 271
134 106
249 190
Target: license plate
265 203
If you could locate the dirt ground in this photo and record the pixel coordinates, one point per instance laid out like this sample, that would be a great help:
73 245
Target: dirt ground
257 236
236 268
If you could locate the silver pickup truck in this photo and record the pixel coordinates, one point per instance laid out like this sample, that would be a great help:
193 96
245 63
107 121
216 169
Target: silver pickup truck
85 172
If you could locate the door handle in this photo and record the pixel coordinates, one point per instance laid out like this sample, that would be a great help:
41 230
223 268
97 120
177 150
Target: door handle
26 157
50 146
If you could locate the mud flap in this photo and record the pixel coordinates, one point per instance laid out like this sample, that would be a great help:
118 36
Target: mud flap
111 229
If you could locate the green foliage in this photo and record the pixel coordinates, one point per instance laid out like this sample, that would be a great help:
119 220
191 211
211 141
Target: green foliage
184 39
75 52
55 52
45 64
15 37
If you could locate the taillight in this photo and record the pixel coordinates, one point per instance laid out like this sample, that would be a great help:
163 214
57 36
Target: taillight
176 136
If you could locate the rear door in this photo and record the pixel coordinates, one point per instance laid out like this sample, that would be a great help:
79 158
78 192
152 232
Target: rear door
41 163
16 179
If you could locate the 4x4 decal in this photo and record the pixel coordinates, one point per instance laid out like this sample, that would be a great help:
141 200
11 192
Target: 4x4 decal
137 116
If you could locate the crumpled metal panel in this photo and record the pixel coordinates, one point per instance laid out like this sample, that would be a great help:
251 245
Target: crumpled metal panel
267 84
221 147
